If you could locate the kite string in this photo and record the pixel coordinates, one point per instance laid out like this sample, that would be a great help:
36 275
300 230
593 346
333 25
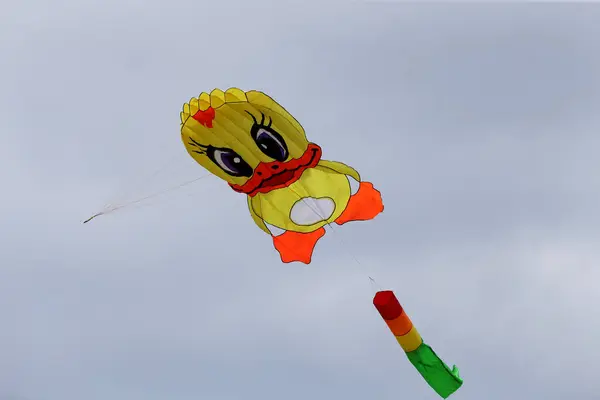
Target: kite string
155 194
373 282
133 185
110 208
375 286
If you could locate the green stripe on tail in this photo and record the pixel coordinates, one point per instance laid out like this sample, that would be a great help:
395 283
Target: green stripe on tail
438 375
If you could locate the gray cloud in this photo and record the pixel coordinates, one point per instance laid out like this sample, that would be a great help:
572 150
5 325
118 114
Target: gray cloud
477 123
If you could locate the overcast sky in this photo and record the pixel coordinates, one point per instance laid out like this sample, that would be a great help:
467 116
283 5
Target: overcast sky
479 124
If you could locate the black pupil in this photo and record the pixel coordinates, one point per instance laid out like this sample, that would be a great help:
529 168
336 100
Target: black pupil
271 144
230 162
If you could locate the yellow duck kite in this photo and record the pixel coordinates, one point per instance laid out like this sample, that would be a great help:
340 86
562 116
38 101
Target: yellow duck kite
253 143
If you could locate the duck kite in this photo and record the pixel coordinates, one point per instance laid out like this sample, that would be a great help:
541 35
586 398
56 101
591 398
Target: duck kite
261 150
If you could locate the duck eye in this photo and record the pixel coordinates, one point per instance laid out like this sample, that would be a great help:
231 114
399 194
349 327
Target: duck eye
270 142
229 161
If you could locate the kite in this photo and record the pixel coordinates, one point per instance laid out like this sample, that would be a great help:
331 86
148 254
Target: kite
438 375
261 150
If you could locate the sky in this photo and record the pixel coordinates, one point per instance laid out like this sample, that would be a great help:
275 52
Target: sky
478 123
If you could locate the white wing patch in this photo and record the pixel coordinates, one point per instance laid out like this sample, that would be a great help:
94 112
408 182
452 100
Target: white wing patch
309 210
275 230
354 185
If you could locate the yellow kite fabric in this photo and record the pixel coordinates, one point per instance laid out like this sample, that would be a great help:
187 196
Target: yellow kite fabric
254 144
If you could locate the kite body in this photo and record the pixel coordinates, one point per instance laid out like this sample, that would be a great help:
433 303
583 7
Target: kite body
250 141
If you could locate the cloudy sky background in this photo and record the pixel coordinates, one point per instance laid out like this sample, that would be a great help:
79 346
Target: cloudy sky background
479 124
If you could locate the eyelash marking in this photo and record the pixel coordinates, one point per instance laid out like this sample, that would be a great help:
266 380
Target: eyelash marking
201 148
262 120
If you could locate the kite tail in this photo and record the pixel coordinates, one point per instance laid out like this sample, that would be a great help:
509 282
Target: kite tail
438 375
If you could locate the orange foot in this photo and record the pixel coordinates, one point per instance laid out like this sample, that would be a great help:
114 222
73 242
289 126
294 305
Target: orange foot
296 246
364 205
